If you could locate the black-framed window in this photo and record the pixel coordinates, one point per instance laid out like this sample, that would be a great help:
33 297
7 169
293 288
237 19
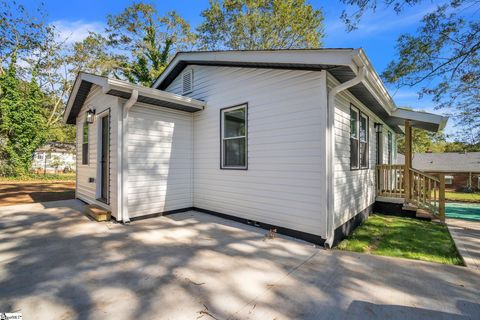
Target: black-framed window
389 147
85 143
359 139
234 137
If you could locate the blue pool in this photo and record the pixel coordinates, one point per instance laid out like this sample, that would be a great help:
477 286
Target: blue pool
467 211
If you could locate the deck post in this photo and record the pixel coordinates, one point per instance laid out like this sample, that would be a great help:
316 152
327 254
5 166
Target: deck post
441 197
408 159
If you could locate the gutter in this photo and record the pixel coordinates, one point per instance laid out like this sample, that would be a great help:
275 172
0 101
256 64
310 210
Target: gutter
124 217
362 74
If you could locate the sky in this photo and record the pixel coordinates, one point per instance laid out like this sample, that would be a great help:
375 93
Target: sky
376 34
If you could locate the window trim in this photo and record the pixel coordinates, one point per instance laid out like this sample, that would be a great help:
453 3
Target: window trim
449 180
367 140
352 107
86 143
222 112
389 147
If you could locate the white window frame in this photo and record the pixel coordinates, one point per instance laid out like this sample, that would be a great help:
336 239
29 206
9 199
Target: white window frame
366 141
360 115
87 125
449 180
222 138
389 147
352 107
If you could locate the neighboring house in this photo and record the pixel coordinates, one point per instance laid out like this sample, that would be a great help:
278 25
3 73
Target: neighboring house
287 139
54 157
461 169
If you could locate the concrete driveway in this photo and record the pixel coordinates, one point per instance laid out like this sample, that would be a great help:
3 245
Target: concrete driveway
57 264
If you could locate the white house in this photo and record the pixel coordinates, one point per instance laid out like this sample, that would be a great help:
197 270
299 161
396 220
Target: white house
54 157
278 138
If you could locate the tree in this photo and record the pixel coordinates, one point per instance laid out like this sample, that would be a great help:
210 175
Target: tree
147 40
263 24
442 57
22 119
94 54
20 32
458 146
423 141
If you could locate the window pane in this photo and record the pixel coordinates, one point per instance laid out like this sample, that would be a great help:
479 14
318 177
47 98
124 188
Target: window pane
234 124
363 129
234 152
363 154
353 153
353 123
85 153
85 133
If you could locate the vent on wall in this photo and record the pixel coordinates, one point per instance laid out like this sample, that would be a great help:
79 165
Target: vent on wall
187 79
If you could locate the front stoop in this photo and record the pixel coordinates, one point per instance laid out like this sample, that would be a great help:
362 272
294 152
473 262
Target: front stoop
98 213
424 215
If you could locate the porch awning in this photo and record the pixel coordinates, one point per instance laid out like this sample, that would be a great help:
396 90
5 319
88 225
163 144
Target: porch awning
423 120
123 89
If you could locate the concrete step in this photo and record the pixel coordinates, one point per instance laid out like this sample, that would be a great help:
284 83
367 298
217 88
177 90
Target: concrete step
98 213
424 215
409 207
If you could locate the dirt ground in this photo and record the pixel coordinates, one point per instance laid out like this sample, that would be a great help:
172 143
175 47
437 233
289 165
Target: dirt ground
29 192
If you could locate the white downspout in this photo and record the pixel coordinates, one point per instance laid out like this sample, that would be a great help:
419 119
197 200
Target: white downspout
331 148
124 152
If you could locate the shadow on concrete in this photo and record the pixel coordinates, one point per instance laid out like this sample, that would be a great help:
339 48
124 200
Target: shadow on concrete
56 264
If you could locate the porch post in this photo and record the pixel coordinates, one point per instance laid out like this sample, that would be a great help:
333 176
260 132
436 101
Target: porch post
408 159
441 197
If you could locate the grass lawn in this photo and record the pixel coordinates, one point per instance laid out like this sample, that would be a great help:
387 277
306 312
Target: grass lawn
49 177
462 197
403 237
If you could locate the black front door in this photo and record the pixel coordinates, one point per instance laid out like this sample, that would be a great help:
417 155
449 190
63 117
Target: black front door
105 157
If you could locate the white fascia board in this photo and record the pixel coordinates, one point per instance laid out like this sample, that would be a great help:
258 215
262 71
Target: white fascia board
155 93
339 57
71 98
82 76
374 83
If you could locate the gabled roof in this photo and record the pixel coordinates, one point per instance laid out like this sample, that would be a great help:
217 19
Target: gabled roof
445 162
343 64
123 89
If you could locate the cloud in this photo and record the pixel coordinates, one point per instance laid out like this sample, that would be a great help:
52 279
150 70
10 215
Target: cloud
74 31
374 23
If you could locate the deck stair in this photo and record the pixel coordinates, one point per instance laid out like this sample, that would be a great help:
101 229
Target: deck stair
97 213
419 192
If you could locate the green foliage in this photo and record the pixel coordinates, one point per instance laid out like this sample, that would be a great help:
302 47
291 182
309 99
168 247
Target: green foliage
31 177
462 197
22 120
442 57
423 141
458 146
263 24
148 38
20 31
136 46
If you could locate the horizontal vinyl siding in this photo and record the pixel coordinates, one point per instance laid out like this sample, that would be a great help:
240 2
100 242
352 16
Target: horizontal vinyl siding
284 183
159 160
354 189
86 190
